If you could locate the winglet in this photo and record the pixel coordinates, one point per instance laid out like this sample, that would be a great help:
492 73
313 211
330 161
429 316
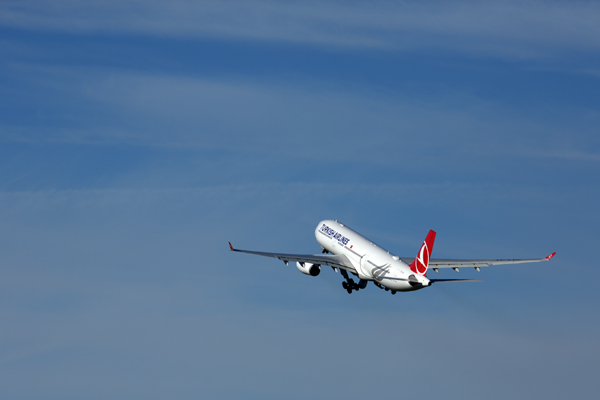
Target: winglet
550 256
230 246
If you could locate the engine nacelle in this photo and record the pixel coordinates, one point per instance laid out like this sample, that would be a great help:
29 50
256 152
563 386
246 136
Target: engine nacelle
308 268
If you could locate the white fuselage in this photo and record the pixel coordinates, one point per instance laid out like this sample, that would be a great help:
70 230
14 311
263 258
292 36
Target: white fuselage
371 262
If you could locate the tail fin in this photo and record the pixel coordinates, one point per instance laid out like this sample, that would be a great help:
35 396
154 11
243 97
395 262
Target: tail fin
419 266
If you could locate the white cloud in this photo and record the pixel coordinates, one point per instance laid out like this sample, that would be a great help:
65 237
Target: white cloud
522 29
298 120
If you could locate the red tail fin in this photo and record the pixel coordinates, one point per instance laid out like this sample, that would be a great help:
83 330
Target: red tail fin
419 266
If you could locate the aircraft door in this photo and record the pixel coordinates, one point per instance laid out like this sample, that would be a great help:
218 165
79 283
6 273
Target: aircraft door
334 243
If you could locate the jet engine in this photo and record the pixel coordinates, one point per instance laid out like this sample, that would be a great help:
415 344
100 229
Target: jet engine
308 268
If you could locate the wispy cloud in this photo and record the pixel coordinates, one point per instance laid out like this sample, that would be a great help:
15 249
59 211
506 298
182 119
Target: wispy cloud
128 162
300 120
513 28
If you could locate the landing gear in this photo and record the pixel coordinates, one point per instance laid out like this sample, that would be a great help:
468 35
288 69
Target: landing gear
349 283
380 286
347 286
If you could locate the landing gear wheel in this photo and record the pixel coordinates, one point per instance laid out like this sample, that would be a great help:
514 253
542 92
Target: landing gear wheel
344 285
349 290
393 292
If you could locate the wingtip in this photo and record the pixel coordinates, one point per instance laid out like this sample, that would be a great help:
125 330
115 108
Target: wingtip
550 256
230 246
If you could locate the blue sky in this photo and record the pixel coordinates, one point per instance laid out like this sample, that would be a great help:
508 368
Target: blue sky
138 138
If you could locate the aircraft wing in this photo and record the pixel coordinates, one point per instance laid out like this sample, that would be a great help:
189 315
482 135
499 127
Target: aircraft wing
321 259
435 263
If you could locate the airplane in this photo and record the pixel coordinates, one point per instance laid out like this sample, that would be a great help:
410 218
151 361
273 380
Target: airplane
347 251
